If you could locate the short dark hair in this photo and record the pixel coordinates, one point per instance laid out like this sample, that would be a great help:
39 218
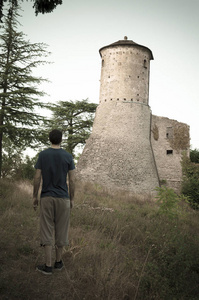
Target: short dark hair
55 136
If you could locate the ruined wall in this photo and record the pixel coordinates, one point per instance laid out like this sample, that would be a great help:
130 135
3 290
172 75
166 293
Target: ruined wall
169 138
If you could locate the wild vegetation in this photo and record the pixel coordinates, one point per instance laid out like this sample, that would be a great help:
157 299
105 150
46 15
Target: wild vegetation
190 184
40 6
19 94
121 247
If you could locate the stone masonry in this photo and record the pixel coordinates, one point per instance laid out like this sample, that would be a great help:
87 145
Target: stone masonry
169 139
126 149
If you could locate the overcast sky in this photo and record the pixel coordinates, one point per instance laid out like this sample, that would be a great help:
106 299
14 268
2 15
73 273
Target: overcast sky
77 29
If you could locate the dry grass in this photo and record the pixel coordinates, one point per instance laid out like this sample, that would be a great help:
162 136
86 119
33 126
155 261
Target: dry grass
120 248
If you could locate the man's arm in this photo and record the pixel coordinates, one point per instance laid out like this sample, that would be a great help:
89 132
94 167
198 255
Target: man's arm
36 186
71 178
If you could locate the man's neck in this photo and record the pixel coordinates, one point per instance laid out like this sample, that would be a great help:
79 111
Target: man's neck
55 146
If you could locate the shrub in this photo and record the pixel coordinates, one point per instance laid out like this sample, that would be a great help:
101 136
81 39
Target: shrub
194 155
190 184
168 201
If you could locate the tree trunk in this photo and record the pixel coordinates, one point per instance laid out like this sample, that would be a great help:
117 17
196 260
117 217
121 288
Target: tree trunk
70 140
1 132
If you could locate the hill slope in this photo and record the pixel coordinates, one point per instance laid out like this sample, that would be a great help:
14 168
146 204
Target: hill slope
120 248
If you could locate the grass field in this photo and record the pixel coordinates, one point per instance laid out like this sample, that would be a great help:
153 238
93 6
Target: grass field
121 247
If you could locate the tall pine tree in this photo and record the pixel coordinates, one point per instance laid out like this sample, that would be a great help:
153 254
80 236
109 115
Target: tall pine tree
19 94
75 119
40 6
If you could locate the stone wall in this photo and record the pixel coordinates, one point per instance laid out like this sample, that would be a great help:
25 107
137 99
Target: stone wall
118 154
125 74
169 139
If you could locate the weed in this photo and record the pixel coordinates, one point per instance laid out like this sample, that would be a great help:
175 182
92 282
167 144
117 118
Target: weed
168 201
136 249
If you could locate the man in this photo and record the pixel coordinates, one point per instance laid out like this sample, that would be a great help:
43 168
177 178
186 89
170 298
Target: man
52 168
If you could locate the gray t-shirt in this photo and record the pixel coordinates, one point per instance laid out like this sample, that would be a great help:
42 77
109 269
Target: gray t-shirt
54 165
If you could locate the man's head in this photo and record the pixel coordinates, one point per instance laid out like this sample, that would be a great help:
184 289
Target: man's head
55 137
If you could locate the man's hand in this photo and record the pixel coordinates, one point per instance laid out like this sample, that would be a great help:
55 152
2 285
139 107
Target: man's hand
36 185
71 177
35 203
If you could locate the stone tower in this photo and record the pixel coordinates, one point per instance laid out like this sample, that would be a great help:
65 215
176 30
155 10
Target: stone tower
118 154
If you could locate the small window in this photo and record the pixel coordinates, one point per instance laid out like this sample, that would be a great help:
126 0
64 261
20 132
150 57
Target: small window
169 132
102 63
169 152
145 64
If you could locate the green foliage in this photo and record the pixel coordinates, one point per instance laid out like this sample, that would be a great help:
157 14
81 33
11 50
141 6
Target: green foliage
14 165
41 6
190 188
190 184
75 119
26 170
127 252
11 163
19 94
168 201
171 271
194 156
45 6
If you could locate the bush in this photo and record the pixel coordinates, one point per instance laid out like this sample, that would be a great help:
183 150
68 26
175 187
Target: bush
194 156
26 169
17 167
190 184
168 201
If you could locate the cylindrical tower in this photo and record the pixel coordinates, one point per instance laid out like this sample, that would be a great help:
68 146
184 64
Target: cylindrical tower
118 153
125 72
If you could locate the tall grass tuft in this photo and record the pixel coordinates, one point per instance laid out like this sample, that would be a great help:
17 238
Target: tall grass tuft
121 247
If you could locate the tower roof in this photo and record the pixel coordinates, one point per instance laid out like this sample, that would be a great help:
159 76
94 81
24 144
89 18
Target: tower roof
126 42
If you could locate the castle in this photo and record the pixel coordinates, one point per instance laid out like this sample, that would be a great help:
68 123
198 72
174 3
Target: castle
129 148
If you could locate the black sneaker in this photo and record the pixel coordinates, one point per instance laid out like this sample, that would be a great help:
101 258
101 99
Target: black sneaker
44 269
58 265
